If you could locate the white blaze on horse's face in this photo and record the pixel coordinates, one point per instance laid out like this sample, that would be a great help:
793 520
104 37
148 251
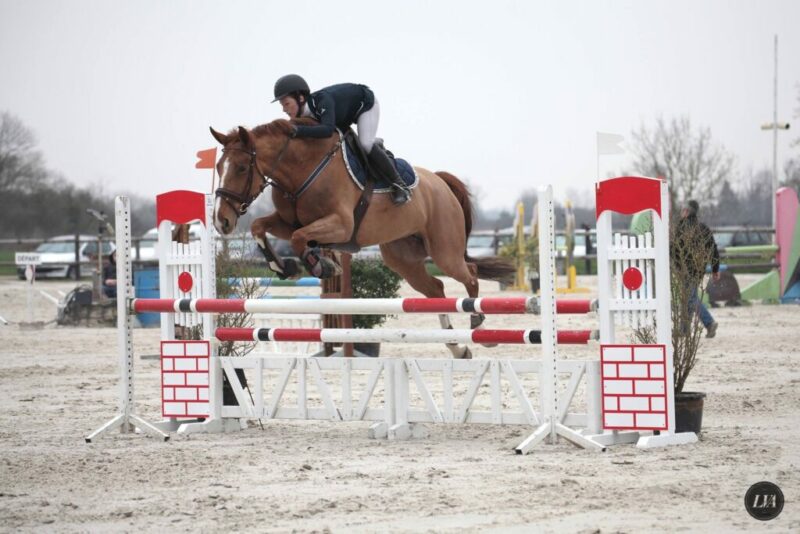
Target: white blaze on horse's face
225 216
217 221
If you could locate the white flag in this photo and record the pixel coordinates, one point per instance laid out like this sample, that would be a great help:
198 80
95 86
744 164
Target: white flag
609 143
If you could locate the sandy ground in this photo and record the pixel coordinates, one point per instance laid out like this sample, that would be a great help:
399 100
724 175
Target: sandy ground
58 384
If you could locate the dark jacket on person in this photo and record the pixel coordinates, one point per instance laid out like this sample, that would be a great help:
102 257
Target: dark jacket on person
694 240
337 106
110 273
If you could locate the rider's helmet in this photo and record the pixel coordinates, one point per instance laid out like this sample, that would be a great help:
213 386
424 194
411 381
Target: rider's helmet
290 84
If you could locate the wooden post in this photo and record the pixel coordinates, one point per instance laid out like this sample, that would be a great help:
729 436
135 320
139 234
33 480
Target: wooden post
338 287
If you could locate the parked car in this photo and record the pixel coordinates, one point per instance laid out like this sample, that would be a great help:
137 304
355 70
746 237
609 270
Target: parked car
481 244
146 247
740 237
58 255
579 250
147 243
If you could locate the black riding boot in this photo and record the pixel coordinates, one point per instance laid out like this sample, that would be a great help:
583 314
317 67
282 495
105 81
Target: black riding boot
381 162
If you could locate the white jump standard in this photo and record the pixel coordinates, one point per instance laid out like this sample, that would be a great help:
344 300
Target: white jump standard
628 393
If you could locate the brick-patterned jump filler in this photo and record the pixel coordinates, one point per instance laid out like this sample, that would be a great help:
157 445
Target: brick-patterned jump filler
184 378
629 390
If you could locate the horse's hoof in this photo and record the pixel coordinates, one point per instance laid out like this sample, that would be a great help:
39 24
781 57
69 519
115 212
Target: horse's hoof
320 266
476 320
326 268
291 267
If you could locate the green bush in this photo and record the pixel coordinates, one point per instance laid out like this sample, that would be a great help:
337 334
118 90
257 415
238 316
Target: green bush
372 279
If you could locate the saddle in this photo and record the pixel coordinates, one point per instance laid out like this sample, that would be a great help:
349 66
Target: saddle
351 247
354 147
318 265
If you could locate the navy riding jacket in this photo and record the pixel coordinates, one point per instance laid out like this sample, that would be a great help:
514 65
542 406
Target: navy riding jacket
337 106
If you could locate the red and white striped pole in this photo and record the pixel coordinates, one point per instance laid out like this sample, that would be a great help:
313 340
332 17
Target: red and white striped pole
488 305
401 335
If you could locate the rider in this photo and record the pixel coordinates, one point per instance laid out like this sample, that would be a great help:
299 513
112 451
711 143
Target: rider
340 106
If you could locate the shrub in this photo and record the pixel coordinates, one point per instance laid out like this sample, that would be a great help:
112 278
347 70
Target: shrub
370 278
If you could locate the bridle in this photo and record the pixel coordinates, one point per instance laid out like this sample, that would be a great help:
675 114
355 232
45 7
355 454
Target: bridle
245 199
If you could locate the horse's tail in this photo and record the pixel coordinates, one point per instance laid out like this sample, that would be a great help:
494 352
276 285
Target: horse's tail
489 267
462 194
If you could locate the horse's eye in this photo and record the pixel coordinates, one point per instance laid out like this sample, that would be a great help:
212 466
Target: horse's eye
240 169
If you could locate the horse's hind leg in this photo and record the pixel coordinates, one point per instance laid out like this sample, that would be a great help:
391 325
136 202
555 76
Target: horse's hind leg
453 264
406 257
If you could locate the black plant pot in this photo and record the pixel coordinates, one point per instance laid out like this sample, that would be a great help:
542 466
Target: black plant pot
689 411
372 350
228 396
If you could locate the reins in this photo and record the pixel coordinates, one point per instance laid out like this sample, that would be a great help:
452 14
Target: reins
245 199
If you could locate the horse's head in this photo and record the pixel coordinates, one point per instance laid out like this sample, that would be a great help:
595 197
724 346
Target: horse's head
252 159
239 185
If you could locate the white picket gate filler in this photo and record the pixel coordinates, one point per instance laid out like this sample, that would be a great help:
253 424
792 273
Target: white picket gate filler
628 393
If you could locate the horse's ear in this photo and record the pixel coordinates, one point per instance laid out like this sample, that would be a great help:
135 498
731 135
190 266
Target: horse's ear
244 137
221 138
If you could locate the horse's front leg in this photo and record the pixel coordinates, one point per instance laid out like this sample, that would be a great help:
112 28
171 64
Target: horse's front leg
333 228
275 225
271 224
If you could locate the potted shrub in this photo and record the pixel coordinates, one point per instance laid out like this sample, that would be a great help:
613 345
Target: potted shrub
370 278
688 260
230 268
689 256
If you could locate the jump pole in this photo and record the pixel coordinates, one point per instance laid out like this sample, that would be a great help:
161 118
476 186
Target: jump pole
488 306
404 335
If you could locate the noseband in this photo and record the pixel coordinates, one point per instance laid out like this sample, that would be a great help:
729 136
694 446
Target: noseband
246 198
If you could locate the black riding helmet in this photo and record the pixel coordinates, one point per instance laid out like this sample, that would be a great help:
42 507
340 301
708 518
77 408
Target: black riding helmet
291 83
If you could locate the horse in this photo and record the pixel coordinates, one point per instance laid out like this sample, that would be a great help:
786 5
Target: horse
314 200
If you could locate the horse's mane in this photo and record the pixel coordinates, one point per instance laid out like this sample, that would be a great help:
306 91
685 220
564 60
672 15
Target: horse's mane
281 126
276 127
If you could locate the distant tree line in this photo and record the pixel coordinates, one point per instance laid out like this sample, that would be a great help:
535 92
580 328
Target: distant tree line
696 168
36 202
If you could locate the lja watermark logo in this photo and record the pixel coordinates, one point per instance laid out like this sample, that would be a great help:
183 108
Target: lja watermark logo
764 501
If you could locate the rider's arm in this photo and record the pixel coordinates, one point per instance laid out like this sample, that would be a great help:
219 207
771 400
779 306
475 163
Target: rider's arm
325 109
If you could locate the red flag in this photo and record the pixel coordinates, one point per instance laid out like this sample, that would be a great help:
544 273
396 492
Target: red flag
207 159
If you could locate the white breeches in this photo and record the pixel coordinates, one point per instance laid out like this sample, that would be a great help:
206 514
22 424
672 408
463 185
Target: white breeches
368 127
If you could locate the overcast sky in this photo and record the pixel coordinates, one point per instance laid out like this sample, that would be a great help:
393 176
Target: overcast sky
506 95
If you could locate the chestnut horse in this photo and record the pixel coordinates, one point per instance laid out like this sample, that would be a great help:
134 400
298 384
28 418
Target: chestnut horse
436 222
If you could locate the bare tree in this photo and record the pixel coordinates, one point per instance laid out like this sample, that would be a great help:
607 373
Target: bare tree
21 167
693 165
